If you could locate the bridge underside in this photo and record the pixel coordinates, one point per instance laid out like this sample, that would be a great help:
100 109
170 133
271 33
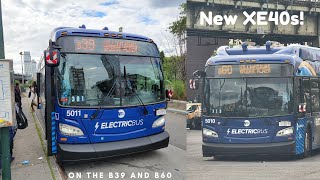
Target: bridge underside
260 39
202 40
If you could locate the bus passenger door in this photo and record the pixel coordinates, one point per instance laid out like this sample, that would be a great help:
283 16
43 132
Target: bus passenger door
315 106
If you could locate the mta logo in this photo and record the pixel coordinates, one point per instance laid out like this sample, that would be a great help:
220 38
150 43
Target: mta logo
121 113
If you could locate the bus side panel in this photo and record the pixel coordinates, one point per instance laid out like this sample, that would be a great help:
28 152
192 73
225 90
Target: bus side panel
300 135
316 133
49 107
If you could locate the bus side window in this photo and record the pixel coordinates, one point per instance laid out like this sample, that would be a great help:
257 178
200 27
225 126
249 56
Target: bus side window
306 93
315 95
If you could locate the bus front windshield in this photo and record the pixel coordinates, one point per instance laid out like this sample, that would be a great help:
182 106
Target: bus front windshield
249 97
109 80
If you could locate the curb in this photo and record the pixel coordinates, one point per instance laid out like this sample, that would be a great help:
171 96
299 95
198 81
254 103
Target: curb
50 161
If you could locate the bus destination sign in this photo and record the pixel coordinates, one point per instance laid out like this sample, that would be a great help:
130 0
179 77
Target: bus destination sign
250 70
100 45
108 45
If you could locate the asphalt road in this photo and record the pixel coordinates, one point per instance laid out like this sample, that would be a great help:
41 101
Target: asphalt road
246 168
167 163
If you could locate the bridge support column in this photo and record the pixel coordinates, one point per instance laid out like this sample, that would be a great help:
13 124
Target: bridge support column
316 43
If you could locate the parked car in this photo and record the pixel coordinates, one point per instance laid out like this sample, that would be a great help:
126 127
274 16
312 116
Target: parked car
194 115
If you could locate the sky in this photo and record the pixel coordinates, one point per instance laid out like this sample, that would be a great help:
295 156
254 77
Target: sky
27 24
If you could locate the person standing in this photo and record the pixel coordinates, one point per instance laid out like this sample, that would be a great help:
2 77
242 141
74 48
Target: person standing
33 90
17 95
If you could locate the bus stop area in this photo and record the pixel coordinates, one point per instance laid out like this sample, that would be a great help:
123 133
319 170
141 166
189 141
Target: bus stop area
31 161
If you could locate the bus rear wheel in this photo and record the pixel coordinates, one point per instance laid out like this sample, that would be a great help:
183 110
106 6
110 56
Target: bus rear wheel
307 143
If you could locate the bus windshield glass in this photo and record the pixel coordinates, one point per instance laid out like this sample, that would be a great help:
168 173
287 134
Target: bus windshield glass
249 97
99 80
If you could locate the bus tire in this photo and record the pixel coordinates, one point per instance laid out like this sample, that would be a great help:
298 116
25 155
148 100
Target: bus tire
58 160
307 143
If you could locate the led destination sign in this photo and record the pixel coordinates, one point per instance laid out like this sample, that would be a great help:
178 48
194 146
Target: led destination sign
107 46
246 69
250 70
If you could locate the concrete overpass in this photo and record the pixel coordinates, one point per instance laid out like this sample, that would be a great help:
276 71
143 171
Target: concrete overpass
308 32
19 78
202 40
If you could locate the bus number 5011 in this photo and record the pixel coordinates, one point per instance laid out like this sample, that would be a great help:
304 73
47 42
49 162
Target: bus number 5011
73 112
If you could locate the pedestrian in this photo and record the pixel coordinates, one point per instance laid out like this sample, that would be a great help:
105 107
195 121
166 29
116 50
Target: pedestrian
17 95
33 90
170 94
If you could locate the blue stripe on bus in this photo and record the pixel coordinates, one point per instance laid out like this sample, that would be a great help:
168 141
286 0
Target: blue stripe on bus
300 135
53 130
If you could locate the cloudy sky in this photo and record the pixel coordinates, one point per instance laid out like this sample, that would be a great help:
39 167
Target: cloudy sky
28 23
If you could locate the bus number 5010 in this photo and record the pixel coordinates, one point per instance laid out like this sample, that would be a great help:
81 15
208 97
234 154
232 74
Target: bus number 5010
73 112
208 121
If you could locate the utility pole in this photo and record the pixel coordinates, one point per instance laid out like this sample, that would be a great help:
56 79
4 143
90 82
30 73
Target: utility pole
22 67
4 132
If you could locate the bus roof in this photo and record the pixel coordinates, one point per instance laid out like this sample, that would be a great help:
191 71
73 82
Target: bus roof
253 50
261 58
70 31
262 55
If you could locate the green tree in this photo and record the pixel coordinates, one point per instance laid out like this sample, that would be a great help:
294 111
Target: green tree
178 29
162 56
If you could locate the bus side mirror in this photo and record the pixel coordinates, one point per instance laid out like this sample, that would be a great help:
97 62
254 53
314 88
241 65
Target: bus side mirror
194 84
52 57
302 107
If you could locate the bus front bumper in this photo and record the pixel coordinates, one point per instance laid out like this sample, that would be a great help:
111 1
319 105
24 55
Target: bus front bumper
80 152
279 148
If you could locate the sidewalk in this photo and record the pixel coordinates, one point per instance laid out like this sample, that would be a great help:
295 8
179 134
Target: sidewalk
178 105
27 146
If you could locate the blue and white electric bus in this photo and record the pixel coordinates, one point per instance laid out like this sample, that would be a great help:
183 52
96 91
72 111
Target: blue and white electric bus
258 102
103 94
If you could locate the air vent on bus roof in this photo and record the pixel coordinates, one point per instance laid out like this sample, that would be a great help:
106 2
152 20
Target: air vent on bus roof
85 33
225 61
134 37
270 60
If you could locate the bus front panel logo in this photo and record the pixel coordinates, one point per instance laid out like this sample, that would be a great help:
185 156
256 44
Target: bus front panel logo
121 113
246 123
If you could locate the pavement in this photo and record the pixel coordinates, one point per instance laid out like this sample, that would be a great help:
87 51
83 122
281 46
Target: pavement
28 146
246 167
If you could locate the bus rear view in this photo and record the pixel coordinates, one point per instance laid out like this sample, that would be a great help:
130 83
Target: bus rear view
103 93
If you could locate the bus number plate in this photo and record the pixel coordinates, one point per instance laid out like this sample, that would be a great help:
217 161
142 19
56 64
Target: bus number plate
73 112
210 121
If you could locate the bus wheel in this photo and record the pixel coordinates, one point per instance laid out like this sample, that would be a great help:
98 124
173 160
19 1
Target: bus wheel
58 160
307 143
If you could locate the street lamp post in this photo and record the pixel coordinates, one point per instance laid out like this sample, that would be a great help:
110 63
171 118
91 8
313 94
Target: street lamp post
22 67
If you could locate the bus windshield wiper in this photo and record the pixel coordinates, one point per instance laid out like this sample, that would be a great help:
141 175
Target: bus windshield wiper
104 98
145 110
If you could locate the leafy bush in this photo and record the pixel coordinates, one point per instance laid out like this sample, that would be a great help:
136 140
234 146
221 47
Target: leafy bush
179 90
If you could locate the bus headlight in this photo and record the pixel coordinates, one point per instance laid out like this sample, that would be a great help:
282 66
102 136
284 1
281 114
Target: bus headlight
70 130
285 132
159 122
209 133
